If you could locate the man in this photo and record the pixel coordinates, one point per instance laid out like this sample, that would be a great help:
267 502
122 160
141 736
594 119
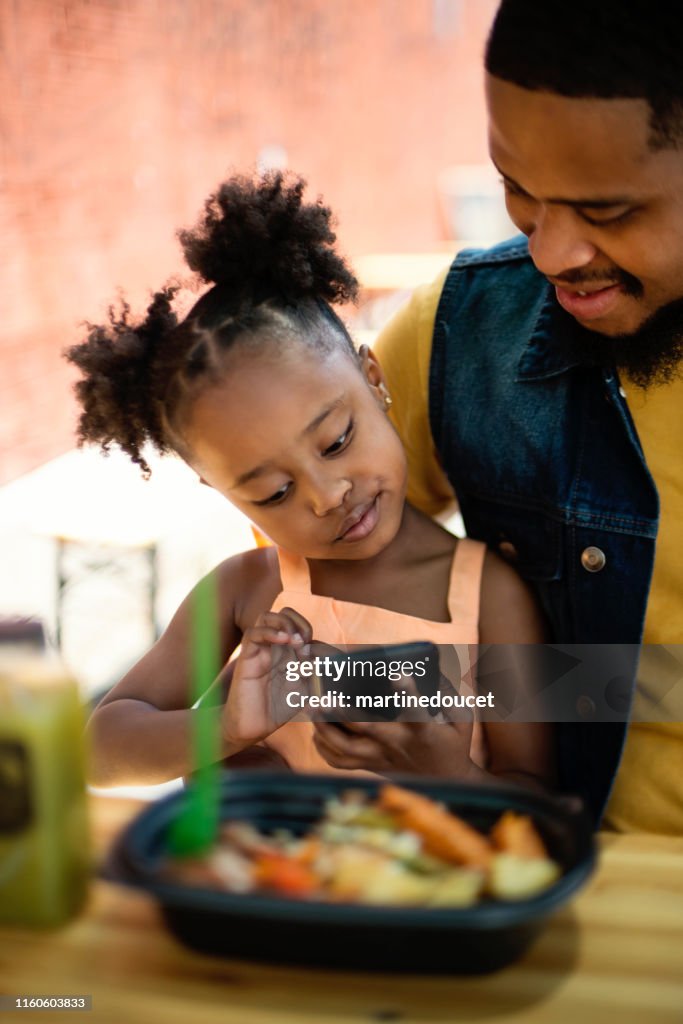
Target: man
545 374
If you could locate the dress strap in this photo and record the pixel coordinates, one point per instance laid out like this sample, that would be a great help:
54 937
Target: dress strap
294 572
465 585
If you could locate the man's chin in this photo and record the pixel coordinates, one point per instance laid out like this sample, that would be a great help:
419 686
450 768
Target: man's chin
649 355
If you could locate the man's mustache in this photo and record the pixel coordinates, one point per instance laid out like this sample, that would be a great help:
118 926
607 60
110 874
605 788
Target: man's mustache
615 275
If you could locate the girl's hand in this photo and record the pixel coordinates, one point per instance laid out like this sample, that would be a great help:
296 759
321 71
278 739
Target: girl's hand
424 748
256 706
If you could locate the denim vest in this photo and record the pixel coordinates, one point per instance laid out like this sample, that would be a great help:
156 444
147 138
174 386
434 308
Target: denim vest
546 464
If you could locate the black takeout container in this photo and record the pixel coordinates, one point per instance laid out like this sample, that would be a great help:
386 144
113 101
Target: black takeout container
475 940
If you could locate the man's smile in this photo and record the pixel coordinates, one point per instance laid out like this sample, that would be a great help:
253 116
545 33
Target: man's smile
590 303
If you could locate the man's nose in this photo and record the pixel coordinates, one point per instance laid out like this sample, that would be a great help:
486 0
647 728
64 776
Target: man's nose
328 494
558 242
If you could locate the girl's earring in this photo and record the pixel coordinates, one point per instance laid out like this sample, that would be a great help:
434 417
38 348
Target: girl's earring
386 397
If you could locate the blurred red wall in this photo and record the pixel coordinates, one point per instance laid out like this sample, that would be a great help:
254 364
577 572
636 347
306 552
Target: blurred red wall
119 116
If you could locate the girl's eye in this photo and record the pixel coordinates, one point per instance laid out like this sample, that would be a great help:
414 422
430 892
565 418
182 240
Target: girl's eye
274 499
341 442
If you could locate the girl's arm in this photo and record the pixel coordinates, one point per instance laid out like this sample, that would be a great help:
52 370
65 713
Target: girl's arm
140 732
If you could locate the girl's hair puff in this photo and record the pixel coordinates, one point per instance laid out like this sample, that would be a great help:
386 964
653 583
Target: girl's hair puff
120 393
271 260
260 233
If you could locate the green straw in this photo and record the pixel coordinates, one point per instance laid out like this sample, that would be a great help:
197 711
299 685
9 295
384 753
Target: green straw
196 827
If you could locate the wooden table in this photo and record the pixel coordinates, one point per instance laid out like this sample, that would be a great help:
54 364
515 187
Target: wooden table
616 954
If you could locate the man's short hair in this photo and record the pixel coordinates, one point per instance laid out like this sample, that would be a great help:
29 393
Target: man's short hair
599 49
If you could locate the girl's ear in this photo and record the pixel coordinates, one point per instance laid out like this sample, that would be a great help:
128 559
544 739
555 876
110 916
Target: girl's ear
374 375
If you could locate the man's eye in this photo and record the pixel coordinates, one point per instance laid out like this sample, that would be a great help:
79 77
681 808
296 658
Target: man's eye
606 219
513 190
341 442
274 499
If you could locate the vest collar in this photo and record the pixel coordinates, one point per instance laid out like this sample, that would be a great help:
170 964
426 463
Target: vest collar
548 352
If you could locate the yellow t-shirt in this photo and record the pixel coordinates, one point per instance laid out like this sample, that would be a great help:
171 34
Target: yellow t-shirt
404 349
648 791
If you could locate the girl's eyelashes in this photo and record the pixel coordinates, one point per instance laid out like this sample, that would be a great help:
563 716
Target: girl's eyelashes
341 441
335 448
274 499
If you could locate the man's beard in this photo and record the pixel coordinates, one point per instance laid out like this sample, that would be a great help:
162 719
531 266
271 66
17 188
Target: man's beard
651 355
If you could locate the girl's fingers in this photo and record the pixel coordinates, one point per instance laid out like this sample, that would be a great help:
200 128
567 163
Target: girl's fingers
461 718
263 636
286 627
297 623
388 734
276 621
380 732
344 751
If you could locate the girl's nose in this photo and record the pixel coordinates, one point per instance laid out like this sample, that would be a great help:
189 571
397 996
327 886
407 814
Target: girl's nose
558 244
328 495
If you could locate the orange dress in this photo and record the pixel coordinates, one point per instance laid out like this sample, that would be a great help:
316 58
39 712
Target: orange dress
344 622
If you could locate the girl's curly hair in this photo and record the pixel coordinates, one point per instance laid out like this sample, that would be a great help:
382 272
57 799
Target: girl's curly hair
270 259
262 235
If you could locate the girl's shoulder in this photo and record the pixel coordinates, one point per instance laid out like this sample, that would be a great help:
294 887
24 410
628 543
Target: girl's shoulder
249 582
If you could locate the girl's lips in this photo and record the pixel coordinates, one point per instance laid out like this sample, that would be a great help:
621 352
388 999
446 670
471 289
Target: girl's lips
590 306
364 526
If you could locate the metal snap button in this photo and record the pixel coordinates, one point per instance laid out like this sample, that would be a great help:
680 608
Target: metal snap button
593 559
622 392
508 550
585 707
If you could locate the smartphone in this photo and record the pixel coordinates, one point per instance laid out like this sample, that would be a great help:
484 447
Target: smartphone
369 679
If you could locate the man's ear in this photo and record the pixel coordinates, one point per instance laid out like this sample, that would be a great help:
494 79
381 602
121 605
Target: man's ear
374 375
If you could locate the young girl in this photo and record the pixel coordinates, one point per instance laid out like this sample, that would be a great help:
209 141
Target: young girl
260 390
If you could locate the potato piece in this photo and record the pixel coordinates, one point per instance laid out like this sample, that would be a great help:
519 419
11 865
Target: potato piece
458 888
394 886
347 870
516 878
366 876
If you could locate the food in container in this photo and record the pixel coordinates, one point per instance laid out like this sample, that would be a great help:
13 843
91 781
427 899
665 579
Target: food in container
270 926
400 849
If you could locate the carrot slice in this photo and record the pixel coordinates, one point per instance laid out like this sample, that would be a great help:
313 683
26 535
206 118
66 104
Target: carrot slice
443 834
279 872
515 833
308 851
